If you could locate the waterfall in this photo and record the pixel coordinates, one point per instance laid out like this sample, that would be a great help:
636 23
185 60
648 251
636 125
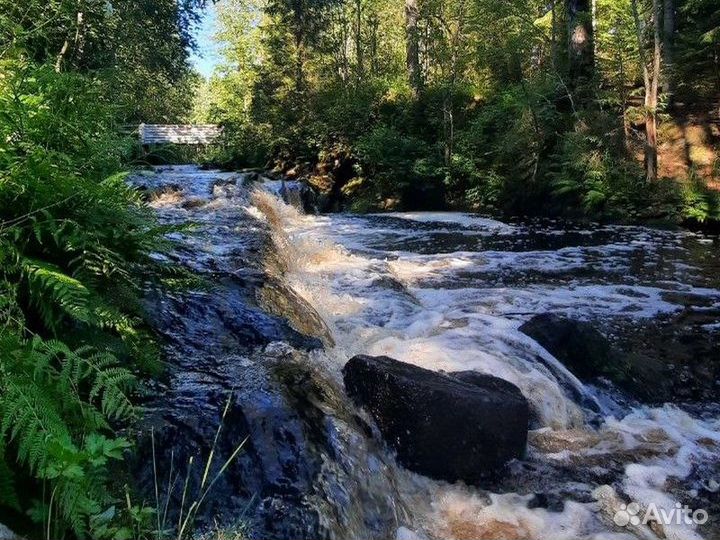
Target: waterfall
370 301
447 292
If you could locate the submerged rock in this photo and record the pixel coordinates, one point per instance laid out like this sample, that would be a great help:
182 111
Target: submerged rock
579 346
655 364
461 427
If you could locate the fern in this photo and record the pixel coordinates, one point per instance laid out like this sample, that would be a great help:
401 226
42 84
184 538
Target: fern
56 408
52 290
8 493
77 249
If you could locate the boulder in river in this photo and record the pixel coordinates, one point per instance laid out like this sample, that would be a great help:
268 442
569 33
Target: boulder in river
579 346
648 368
462 427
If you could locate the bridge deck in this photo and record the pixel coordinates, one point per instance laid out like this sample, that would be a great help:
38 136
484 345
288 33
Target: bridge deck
178 133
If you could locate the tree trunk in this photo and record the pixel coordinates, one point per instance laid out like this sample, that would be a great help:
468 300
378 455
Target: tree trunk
651 76
454 40
340 23
374 24
66 44
668 44
622 90
449 128
61 56
593 25
344 48
651 100
413 47
358 40
553 35
580 40
299 62
651 138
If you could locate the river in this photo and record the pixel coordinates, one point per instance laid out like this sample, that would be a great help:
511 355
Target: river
448 291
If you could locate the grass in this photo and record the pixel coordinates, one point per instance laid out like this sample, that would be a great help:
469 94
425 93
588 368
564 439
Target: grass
184 529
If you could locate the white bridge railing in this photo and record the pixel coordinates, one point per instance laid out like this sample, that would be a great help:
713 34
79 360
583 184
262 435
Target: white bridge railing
178 133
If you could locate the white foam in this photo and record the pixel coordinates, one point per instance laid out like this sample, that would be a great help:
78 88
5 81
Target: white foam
462 219
460 514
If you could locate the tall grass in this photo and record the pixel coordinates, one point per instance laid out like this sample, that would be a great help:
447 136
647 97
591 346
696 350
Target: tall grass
190 507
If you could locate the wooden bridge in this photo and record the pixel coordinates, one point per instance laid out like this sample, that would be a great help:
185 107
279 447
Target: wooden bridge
191 134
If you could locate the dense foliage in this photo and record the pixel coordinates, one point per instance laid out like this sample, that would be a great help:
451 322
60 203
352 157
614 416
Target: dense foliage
516 106
76 251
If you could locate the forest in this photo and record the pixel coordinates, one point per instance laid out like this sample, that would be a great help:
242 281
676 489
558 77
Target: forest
605 110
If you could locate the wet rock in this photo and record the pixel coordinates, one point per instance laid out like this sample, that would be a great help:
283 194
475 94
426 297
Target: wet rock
550 441
579 346
212 350
217 343
323 183
279 299
198 323
462 427
308 466
330 175
675 360
250 177
300 196
488 382
655 364
272 477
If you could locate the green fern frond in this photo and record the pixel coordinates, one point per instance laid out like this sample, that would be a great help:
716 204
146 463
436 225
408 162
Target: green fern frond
56 404
53 292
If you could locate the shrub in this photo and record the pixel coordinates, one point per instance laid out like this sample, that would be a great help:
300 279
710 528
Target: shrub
699 203
585 174
397 165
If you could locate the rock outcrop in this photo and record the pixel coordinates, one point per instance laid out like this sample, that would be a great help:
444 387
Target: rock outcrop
655 363
230 362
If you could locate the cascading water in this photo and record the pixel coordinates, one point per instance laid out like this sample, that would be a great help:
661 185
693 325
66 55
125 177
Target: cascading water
422 288
448 291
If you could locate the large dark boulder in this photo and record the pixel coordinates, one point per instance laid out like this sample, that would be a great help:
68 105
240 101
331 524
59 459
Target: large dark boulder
451 428
579 346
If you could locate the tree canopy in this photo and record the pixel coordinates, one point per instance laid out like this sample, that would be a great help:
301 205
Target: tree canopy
491 104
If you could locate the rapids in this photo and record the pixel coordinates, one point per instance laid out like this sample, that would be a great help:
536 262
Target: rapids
448 291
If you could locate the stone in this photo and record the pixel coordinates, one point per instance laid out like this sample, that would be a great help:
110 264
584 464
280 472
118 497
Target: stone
644 368
579 346
462 427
